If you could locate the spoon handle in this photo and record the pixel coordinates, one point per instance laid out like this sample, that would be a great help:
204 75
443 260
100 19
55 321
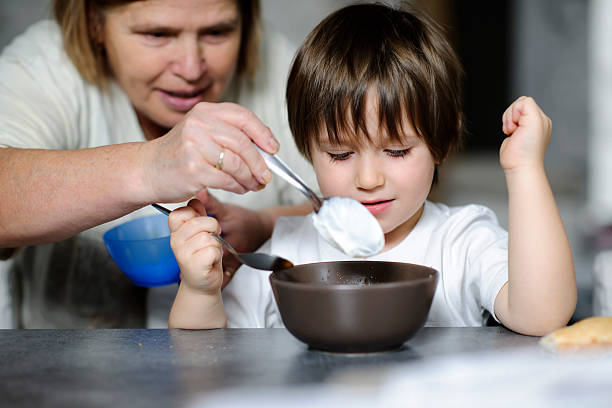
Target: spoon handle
226 244
254 260
223 242
280 168
161 209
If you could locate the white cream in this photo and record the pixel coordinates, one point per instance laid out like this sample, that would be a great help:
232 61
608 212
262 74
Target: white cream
349 226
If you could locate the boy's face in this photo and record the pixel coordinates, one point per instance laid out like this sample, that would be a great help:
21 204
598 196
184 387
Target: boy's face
392 179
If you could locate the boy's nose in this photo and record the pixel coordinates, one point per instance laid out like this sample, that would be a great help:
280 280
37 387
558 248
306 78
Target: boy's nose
369 175
189 62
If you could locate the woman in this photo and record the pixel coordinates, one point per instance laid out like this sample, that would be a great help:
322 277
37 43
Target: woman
112 107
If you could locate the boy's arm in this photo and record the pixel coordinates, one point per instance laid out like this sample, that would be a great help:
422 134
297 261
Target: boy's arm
198 303
540 294
193 309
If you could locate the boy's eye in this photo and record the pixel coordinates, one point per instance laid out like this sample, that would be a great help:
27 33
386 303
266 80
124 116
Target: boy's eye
397 153
339 156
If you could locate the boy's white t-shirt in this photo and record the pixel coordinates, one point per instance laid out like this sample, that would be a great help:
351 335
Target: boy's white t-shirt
465 244
45 103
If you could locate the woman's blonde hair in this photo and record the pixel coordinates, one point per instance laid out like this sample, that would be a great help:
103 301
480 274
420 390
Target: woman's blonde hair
76 19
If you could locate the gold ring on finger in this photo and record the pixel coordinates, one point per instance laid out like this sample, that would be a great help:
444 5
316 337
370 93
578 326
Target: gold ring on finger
219 164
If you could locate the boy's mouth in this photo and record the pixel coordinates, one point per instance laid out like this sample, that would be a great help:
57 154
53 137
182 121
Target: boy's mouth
377 207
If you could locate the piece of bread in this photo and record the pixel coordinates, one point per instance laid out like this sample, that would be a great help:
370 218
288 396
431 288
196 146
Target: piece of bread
591 333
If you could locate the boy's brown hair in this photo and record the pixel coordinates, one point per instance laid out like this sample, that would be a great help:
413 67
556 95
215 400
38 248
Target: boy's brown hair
401 56
77 19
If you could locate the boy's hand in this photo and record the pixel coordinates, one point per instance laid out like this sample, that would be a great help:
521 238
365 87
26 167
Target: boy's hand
529 130
244 229
197 252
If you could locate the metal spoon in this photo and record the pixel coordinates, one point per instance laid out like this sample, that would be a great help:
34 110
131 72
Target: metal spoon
279 167
254 260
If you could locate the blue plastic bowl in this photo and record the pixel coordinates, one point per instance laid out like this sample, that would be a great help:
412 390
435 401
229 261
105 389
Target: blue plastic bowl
141 249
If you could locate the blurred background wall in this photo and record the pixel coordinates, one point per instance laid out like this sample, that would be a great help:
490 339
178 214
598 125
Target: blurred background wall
509 48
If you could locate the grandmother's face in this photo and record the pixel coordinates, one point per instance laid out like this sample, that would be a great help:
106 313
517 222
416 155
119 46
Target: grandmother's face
168 55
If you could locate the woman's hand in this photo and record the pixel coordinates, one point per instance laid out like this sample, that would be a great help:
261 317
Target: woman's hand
212 146
529 131
197 252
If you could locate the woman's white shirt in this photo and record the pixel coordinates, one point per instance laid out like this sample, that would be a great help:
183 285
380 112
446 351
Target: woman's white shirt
45 103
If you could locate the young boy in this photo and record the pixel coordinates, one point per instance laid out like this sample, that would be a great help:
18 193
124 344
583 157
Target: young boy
374 104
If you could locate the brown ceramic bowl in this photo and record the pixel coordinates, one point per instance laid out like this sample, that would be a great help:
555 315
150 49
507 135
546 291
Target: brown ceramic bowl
354 306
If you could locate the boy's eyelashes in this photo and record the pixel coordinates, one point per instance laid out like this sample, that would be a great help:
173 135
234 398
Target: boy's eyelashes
398 152
339 156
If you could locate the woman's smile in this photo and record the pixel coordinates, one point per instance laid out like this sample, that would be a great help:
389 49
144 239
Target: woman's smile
182 101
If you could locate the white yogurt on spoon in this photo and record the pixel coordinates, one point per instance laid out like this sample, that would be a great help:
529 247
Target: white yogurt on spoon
349 226
343 222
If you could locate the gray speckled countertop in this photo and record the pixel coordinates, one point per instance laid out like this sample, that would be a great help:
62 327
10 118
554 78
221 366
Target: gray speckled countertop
165 368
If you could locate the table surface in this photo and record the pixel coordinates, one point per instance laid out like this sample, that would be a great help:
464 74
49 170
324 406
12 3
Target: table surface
138 367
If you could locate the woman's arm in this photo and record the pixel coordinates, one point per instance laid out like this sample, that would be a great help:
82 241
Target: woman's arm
48 195
540 295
